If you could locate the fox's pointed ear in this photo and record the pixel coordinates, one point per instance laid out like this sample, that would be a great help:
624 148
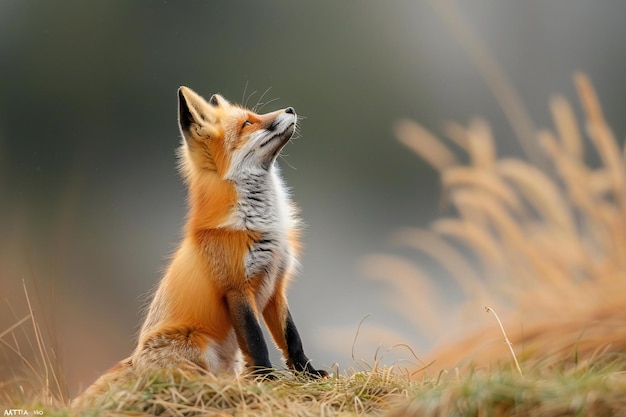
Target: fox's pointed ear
196 117
185 117
215 100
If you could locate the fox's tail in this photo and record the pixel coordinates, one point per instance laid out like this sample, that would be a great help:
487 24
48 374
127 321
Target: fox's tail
95 395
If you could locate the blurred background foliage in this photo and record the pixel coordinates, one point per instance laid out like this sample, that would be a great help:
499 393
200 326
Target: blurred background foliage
90 200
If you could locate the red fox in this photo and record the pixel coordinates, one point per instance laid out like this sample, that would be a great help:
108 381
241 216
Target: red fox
238 253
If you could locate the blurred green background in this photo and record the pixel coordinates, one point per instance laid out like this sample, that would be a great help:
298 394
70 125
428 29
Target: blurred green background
91 204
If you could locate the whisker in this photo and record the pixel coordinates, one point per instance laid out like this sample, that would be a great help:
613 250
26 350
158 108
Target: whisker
249 97
259 106
243 96
283 157
258 103
296 133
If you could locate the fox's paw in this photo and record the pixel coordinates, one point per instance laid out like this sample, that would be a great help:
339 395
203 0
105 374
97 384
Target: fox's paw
264 374
318 373
315 373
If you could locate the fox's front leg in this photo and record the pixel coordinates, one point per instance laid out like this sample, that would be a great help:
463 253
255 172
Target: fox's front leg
283 329
248 330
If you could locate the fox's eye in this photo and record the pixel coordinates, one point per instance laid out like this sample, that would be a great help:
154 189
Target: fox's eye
246 123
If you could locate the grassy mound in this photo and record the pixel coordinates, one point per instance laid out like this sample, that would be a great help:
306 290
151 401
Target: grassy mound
361 393
548 388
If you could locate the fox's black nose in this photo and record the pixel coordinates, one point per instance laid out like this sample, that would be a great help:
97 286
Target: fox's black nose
290 110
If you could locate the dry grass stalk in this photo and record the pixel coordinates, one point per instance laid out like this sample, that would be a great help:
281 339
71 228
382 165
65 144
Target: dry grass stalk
506 340
482 150
567 127
459 176
457 135
493 74
604 140
409 286
423 142
443 252
541 192
483 244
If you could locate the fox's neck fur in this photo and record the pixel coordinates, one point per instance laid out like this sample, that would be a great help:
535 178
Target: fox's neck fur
263 206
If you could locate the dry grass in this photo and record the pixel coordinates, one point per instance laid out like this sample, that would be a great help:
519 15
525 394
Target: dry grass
34 366
361 393
550 243
593 388
36 377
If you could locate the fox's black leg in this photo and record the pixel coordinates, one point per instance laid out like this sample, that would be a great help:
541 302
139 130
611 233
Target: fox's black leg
249 333
296 357
283 330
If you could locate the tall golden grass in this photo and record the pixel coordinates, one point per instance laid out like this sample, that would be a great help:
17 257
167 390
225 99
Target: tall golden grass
546 247
33 376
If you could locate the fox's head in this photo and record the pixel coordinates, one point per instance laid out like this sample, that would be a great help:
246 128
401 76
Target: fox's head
227 139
